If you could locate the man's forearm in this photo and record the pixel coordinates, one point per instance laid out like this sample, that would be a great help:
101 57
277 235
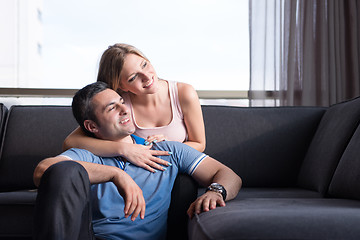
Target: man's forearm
97 173
230 180
210 171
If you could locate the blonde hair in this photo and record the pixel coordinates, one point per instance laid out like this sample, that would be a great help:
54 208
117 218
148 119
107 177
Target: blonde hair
112 62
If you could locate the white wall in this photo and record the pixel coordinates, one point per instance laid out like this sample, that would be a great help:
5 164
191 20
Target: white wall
21 39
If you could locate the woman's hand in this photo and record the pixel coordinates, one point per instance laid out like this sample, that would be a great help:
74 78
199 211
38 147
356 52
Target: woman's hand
154 139
144 157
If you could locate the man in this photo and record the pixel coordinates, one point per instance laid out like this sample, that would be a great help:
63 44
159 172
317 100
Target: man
127 202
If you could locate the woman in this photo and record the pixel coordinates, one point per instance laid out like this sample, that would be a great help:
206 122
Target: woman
161 110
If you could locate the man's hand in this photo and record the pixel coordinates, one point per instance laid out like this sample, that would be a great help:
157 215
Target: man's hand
143 156
132 195
206 202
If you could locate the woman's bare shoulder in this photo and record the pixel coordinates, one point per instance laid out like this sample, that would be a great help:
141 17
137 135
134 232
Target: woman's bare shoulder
187 95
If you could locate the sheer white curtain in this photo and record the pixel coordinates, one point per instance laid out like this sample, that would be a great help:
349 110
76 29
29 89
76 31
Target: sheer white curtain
306 51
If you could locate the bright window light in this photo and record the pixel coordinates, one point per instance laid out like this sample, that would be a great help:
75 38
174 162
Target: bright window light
204 43
201 42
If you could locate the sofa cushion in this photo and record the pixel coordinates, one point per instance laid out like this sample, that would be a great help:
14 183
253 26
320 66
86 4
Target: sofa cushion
272 193
16 218
276 193
32 133
265 146
346 180
332 136
285 218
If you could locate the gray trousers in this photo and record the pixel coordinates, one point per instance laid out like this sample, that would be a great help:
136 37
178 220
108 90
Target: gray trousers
62 209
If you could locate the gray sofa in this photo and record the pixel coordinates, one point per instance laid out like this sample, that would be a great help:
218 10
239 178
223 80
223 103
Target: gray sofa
300 168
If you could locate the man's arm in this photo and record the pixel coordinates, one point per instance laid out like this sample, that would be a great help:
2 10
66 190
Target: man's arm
210 171
128 189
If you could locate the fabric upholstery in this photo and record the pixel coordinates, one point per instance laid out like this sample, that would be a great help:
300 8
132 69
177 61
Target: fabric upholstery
272 193
183 194
32 134
3 113
276 193
346 180
16 221
16 216
334 132
285 218
253 140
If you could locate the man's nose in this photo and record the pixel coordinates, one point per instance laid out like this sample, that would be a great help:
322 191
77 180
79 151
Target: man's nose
123 109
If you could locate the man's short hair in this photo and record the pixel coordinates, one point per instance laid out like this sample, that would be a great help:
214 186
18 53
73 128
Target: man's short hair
82 106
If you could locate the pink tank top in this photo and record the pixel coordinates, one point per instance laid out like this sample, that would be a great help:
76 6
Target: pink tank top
176 130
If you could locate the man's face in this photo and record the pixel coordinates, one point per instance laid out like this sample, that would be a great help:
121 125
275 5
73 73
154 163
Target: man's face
113 117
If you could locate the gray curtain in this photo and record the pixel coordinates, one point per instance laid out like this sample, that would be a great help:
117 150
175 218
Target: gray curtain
304 52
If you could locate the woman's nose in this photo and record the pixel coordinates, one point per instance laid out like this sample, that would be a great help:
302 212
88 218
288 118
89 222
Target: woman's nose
146 77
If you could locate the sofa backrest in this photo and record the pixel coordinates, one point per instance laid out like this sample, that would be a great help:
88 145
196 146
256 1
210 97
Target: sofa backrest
3 113
265 146
32 133
330 141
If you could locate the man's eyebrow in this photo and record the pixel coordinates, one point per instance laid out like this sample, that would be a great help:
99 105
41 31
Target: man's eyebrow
107 105
121 100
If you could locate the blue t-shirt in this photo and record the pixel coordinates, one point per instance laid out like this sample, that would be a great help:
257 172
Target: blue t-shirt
108 205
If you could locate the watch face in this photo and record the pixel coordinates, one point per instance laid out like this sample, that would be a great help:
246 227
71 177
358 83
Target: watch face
217 187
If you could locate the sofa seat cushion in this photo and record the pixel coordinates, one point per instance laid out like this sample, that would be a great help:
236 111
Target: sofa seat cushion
285 218
18 197
17 214
277 193
272 193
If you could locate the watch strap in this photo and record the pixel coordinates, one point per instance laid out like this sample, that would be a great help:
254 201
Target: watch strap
216 187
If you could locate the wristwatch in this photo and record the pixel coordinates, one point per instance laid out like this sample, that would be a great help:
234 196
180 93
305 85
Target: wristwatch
216 187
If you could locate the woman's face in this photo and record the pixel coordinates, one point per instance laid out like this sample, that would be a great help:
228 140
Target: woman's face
138 76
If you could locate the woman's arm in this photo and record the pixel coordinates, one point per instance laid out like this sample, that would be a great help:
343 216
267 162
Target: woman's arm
139 155
104 148
193 118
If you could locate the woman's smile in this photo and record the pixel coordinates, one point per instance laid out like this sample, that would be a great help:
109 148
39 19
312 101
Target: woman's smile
149 83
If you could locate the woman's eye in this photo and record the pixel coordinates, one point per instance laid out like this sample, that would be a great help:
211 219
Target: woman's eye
145 64
133 78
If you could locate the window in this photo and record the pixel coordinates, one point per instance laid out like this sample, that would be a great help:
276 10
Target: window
202 42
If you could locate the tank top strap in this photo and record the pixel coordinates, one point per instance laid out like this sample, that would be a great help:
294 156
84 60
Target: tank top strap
174 98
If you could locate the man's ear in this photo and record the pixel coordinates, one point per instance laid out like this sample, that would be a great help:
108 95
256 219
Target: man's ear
91 126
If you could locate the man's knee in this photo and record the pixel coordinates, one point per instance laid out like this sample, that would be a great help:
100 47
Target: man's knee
65 174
